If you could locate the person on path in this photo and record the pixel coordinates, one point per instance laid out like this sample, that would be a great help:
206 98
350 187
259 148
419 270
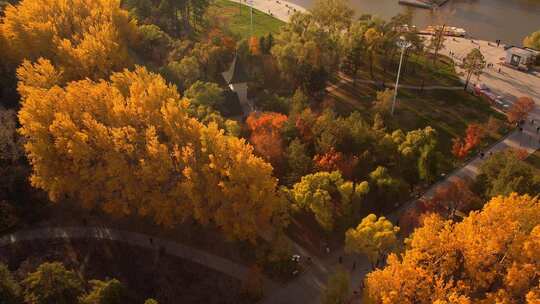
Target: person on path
354 265
340 259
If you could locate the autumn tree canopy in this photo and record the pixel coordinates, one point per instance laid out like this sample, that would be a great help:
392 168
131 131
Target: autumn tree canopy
328 196
492 256
520 109
373 237
127 145
473 136
83 38
266 134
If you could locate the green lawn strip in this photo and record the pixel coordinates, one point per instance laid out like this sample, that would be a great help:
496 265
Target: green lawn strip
238 19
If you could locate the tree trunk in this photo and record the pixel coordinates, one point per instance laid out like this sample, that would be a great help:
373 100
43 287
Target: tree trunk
371 65
467 81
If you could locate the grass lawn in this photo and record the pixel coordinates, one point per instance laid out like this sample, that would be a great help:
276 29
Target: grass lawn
449 112
414 71
237 18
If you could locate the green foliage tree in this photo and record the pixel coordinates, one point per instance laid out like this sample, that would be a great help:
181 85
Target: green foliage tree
387 188
473 64
533 40
298 161
328 196
154 44
427 163
354 47
383 102
105 292
10 291
305 53
52 283
373 237
334 16
205 93
503 173
337 288
183 73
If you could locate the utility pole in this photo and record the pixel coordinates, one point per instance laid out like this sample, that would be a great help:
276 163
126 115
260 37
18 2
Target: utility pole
403 44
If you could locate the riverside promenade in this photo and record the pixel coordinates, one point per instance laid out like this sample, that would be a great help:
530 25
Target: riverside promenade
279 9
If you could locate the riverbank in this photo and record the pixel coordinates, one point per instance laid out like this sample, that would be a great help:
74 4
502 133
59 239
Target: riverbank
279 9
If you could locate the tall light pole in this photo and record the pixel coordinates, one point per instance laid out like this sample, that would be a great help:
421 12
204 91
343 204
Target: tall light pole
403 44
251 12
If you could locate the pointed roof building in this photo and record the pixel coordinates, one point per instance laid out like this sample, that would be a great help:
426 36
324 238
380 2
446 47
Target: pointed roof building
236 73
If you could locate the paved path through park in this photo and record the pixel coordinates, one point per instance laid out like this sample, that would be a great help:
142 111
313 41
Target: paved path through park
137 239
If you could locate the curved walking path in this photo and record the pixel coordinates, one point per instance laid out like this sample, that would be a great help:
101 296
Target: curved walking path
137 239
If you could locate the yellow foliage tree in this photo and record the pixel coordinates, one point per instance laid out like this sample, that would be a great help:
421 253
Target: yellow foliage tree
492 256
372 237
86 38
128 145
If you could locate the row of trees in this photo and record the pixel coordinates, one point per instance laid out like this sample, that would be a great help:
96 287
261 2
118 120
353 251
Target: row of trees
313 46
128 145
53 283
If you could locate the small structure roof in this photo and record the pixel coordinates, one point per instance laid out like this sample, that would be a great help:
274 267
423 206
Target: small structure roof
236 73
522 51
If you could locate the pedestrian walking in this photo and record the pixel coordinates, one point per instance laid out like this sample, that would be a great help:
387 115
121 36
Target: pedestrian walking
151 241
340 259
354 265
499 70
498 42
537 129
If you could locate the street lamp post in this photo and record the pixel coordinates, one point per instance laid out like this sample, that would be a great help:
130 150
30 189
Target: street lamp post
251 16
403 44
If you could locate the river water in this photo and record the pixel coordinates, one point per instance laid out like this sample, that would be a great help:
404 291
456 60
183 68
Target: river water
508 20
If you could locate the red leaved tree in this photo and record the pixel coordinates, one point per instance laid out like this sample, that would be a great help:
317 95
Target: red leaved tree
265 136
254 46
520 109
473 137
454 196
333 160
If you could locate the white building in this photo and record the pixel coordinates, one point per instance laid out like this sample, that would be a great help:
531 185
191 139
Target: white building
521 58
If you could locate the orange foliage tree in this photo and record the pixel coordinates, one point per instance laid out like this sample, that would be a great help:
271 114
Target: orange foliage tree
473 136
520 109
492 256
254 46
265 136
333 160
